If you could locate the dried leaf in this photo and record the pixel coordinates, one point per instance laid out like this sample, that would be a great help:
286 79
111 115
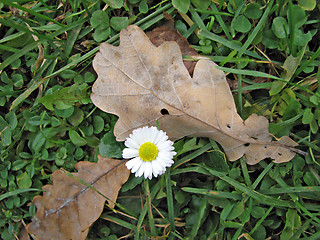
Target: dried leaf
143 84
168 33
68 207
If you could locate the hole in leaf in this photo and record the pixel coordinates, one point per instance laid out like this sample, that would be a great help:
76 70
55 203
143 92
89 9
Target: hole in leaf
228 126
164 111
246 144
280 154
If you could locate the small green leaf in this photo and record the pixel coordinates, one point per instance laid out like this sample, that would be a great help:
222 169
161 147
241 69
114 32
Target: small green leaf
260 233
258 212
298 18
241 24
308 5
293 222
24 181
181 5
78 153
6 136
119 23
217 161
114 3
101 34
236 211
201 4
19 164
143 7
38 141
76 139
280 27
61 105
89 77
307 116
270 40
99 19
68 74
77 117
98 124
301 38
17 80
12 120
314 127
64 113
109 147
253 11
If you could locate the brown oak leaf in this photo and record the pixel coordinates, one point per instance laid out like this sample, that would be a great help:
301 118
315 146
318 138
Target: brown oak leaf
142 84
70 205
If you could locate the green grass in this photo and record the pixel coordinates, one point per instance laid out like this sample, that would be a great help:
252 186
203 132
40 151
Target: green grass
48 122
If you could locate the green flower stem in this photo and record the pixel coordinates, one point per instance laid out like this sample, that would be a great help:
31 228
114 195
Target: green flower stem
148 202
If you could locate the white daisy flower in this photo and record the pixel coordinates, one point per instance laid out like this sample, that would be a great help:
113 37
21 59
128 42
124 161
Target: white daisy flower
150 152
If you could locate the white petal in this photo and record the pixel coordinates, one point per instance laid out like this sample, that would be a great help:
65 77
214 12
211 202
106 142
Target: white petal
165 155
147 170
130 153
134 164
154 132
157 167
160 135
137 136
163 137
130 143
140 170
166 146
161 162
165 161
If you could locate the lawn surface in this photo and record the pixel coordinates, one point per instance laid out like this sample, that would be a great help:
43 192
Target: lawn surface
270 53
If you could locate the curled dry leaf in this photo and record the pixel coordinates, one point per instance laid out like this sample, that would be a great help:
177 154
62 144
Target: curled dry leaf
143 84
68 207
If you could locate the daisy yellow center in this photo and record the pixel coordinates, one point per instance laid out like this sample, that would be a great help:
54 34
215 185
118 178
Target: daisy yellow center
148 152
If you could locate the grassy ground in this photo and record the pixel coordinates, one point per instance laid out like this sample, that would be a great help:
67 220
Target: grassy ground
47 120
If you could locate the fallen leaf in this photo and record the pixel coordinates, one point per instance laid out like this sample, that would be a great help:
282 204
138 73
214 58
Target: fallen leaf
68 207
143 84
168 33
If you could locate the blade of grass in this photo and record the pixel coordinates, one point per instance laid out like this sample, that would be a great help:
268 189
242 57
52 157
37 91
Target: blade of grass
256 30
118 221
262 175
245 172
307 63
220 21
249 73
189 169
22 28
144 211
30 11
11 37
72 37
261 220
154 14
191 156
206 34
18 191
291 23
19 54
212 193
252 193
170 200
286 190
201 214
